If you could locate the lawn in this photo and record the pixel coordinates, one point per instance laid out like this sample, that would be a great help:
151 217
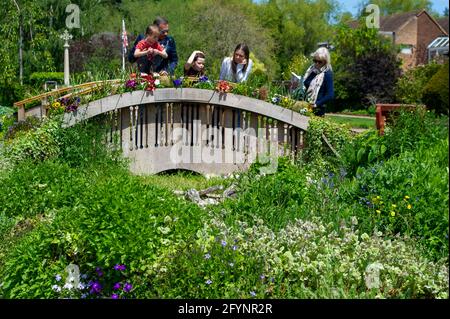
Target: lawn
353 122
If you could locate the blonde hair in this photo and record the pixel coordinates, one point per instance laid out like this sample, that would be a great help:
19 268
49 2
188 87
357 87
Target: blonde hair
322 54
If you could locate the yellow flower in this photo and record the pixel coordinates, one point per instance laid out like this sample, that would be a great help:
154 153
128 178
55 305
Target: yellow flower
392 214
406 197
56 105
409 206
378 211
393 205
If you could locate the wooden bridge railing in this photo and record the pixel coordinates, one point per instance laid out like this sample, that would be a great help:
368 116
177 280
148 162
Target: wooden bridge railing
80 89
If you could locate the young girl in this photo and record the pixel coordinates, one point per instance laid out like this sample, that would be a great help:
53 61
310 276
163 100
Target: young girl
195 65
147 49
237 68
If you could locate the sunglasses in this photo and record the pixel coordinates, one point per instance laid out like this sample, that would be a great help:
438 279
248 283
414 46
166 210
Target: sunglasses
164 31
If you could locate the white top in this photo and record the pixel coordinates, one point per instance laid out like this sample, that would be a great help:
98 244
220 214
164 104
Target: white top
227 74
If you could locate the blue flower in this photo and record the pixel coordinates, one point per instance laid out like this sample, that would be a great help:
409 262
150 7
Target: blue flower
223 243
203 78
58 277
252 293
177 82
207 256
208 282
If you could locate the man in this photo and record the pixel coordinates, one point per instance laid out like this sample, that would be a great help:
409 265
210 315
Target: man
166 66
163 66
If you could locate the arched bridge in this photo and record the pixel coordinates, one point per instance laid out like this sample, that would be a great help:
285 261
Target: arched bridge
194 129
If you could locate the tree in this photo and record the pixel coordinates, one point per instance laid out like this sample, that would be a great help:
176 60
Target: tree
388 7
297 26
366 67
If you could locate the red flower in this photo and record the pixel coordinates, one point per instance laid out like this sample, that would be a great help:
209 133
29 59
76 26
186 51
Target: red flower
223 87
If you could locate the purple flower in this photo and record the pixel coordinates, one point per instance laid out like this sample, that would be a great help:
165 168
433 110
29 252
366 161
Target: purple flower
96 287
131 84
177 82
58 277
120 267
115 296
262 277
83 296
234 247
99 271
252 293
127 287
223 243
203 78
209 282
207 256
116 286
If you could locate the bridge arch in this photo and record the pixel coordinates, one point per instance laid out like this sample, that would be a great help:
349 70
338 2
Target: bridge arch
194 129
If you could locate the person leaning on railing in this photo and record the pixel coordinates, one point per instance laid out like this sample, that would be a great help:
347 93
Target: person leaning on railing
238 67
318 81
195 65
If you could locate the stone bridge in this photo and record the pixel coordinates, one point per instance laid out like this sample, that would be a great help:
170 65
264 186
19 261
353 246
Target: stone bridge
193 129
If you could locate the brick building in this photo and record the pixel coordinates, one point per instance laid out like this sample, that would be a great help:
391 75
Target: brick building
413 31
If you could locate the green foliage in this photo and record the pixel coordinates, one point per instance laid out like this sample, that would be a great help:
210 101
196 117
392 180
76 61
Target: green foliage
435 93
317 150
388 7
410 86
39 78
99 217
299 64
270 195
366 68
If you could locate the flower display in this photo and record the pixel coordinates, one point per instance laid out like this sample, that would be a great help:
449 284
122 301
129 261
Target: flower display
223 87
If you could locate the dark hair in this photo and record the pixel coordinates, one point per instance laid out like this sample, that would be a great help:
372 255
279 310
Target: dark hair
243 47
149 30
160 20
198 55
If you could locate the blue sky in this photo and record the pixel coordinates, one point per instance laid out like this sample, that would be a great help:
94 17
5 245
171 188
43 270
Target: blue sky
352 5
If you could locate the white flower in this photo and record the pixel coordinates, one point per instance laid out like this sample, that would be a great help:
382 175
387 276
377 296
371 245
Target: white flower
157 82
81 286
68 286
56 288
372 275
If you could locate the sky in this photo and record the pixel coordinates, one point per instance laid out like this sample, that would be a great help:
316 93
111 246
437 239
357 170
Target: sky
352 5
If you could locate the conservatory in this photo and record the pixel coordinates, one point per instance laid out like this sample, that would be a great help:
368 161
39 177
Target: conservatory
438 49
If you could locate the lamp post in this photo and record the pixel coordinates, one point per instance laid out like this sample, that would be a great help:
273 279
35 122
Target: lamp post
66 36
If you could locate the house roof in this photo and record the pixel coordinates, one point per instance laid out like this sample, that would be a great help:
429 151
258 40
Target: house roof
444 23
395 22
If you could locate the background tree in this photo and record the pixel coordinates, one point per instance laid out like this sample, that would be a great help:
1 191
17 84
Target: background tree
388 7
366 68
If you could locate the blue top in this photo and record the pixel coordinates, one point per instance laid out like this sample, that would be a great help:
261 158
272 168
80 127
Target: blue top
171 62
326 91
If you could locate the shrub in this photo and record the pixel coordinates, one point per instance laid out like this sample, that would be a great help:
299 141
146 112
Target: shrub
39 78
435 94
410 86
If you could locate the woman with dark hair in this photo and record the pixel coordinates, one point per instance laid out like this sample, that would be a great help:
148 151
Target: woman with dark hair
195 65
238 67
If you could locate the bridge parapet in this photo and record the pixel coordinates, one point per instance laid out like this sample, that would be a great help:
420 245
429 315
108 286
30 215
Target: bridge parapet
199 130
